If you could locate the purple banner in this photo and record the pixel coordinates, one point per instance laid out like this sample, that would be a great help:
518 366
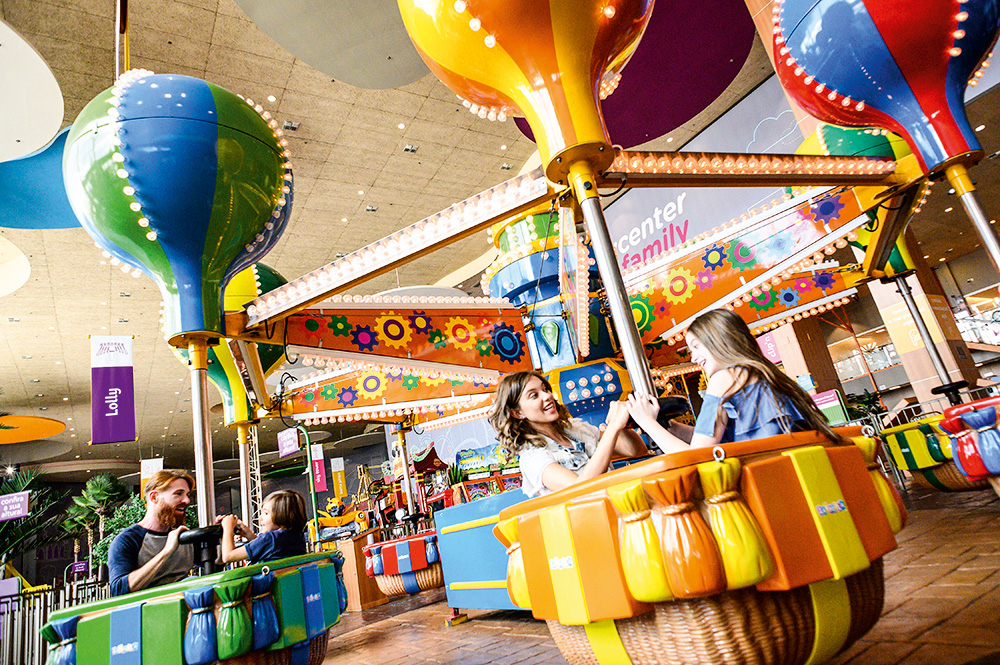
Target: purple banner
78 567
14 506
112 404
288 442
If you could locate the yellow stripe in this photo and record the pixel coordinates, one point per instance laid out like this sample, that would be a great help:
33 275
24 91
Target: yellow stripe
607 643
833 521
832 611
564 571
471 524
489 584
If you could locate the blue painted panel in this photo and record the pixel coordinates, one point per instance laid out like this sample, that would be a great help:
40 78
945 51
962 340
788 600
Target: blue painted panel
32 195
475 555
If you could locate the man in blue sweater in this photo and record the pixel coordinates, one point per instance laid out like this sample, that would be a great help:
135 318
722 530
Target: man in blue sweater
147 554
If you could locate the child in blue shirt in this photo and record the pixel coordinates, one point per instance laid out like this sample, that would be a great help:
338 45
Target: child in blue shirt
282 519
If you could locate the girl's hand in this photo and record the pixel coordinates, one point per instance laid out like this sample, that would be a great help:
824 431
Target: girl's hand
229 522
644 409
617 416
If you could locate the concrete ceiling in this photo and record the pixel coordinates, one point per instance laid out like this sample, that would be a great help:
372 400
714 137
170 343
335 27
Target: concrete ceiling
347 154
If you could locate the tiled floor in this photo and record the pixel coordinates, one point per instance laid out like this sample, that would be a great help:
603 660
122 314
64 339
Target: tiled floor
942 605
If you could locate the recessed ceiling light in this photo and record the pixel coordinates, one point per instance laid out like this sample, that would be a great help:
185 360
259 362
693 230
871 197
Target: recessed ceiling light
77 457
926 256
13 319
40 395
371 208
103 303
503 147
670 139
65 399
409 147
59 362
506 166
941 259
343 219
104 327
69 419
980 128
272 98
43 408
361 192
401 126
949 209
290 126
52 327
35 380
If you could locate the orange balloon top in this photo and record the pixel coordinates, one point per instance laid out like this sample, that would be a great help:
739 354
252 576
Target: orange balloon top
544 59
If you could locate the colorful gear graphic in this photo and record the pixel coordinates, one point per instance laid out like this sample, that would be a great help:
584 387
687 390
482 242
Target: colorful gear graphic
704 280
312 326
393 331
420 322
372 385
826 210
507 343
340 326
347 396
328 392
803 284
678 287
411 381
460 333
364 338
641 312
438 339
661 306
742 254
484 347
765 301
308 396
394 374
823 280
789 297
715 257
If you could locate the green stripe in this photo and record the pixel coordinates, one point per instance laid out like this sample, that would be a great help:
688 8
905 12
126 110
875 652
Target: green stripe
928 474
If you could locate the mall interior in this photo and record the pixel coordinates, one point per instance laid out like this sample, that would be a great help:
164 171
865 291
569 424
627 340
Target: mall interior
297 245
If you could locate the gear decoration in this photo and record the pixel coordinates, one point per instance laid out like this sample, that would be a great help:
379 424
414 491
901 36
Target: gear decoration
661 307
328 392
484 347
641 312
678 286
823 280
765 301
347 396
460 333
371 385
715 257
438 339
395 374
827 209
507 344
420 322
704 280
364 338
789 297
340 326
308 396
803 284
742 254
411 381
312 326
393 331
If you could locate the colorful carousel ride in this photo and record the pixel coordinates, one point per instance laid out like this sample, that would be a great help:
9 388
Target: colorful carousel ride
975 440
275 613
761 551
925 450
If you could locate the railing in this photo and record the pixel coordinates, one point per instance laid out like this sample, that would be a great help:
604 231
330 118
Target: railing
23 615
978 329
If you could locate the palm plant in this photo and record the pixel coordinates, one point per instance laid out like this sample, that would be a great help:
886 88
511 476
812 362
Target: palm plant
104 493
83 511
73 527
25 534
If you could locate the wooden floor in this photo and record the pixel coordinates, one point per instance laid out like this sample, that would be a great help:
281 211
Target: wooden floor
942 605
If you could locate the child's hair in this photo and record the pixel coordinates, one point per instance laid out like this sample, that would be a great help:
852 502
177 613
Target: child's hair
726 336
288 509
516 433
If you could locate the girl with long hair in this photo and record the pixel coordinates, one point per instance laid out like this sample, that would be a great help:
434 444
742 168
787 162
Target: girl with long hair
555 450
748 397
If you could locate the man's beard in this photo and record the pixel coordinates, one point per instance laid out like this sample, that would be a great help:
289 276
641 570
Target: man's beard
166 516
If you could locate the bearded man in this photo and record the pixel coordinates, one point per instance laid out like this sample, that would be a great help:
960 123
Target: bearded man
147 554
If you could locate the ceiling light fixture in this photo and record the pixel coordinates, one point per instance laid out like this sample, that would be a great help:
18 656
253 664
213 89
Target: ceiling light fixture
272 98
361 192
290 126
980 128
506 166
401 126
409 147
370 208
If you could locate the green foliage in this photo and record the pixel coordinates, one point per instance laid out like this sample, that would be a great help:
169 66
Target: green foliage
860 406
130 512
28 533
455 474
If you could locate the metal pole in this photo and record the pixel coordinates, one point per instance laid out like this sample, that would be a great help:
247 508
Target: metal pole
959 179
242 435
312 484
582 179
204 473
925 334
401 433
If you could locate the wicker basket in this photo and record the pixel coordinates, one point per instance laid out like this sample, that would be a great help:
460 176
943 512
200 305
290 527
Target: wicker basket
742 626
430 577
947 474
317 653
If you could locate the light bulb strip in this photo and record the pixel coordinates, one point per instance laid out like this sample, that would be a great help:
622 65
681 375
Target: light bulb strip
665 373
708 169
350 360
457 419
804 311
451 224
338 303
382 411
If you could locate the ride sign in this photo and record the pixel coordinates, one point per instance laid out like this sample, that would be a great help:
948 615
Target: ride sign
14 506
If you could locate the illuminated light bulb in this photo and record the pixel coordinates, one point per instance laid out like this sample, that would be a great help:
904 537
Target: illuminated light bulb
125 268
460 6
475 24
609 11
962 16
118 157
151 235
958 34
490 41
122 173
955 51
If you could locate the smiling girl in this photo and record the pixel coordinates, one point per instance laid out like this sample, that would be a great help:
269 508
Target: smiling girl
555 450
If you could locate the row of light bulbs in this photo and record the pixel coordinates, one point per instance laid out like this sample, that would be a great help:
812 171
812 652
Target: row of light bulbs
798 316
381 412
401 244
321 362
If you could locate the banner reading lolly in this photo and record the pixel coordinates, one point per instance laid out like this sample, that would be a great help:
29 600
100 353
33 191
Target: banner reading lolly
187 183
548 60
868 62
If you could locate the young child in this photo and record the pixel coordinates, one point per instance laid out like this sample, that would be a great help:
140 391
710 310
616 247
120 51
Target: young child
748 397
282 519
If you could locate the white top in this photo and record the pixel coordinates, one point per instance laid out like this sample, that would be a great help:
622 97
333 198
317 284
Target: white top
533 461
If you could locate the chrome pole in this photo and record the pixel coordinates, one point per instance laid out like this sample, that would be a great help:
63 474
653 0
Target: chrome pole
202 434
